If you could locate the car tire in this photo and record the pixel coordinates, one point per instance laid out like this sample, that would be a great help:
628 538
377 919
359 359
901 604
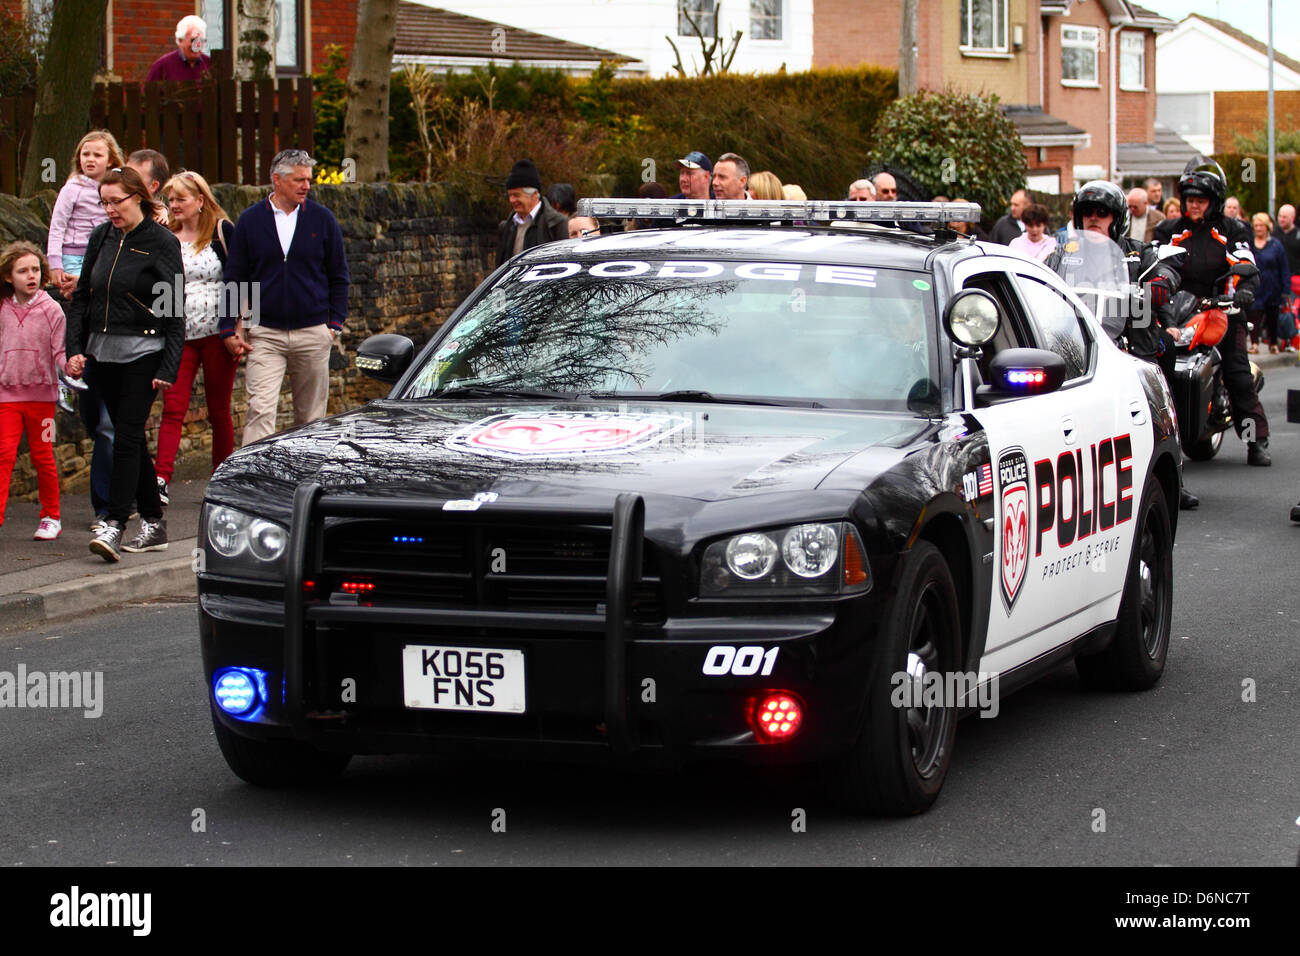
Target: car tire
277 763
1135 657
1206 448
898 763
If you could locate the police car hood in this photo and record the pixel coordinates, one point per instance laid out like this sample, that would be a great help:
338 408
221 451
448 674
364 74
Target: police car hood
706 452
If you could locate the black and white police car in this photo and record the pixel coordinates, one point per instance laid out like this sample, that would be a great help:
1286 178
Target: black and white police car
750 486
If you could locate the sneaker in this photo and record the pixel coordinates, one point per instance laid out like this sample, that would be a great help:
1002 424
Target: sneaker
1257 453
108 542
162 491
1187 501
152 537
97 525
48 529
1295 513
64 401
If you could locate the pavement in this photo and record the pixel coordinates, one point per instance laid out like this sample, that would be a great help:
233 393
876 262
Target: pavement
46 580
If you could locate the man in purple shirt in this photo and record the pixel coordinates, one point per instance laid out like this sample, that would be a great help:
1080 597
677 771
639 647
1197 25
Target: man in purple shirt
187 61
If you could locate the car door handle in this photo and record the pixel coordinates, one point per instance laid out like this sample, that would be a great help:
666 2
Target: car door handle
1137 410
1069 431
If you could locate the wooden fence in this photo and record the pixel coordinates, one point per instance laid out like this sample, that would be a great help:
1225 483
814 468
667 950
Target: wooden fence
228 130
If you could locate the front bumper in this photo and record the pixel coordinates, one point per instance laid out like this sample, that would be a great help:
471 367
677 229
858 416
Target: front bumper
599 686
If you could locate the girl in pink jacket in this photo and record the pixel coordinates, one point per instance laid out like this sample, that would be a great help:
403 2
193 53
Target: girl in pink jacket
31 355
77 210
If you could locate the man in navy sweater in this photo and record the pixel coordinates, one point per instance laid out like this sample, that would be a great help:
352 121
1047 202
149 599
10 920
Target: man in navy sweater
287 259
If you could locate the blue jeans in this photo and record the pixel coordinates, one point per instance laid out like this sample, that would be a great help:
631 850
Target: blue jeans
94 415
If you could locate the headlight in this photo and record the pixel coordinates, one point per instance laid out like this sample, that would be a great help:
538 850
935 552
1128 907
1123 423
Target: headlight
810 550
816 558
267 540
227 531
751 556
241 542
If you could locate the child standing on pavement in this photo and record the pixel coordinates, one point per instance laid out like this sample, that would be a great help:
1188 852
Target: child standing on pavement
31 355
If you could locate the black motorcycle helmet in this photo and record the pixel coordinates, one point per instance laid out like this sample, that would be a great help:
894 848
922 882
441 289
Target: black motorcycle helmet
1203 177
1108 196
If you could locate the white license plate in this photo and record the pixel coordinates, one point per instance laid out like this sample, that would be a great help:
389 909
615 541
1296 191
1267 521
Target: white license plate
483 679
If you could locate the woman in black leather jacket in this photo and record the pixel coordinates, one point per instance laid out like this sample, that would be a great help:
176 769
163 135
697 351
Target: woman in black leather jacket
127 317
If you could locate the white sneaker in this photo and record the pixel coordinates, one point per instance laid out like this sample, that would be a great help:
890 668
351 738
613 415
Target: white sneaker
48 529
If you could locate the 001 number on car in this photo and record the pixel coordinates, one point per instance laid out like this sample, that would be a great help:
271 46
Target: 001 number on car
739 661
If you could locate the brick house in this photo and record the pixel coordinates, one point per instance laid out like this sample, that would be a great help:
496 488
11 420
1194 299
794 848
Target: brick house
1077 78
1210 108
139 31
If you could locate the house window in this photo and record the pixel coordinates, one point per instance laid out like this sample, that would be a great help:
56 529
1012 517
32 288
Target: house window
765 19
1079 55
1132 61
984 25
215 14
703 12
1187 114
288 36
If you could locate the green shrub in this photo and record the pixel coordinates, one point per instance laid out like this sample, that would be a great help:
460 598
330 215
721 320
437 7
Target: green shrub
330 105
955 144
1248 179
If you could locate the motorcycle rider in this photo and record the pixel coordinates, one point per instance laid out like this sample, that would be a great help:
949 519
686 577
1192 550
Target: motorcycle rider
1215 244
1101 207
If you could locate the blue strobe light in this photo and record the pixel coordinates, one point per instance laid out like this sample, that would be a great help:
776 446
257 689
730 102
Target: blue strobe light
240 691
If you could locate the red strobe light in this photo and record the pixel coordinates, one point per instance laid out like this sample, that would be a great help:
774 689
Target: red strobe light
357 587
777 716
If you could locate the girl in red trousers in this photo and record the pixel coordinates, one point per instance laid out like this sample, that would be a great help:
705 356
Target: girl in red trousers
31 354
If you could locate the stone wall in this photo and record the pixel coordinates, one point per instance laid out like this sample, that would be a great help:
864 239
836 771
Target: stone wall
414 252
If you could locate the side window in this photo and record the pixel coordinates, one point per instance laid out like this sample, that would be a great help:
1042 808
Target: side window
1059 325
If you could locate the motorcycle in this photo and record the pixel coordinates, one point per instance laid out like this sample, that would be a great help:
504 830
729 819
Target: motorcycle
1200 395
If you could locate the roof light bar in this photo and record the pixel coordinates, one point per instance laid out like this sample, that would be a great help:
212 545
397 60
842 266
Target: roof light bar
791 210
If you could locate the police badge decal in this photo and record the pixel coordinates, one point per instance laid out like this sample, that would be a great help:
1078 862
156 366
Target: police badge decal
1013 482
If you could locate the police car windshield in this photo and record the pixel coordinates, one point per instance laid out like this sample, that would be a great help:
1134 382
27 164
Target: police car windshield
847 336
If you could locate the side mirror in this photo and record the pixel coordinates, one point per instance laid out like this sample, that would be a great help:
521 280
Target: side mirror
972 317
1026 372
385 357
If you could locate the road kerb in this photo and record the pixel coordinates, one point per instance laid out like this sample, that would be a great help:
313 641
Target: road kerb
175 576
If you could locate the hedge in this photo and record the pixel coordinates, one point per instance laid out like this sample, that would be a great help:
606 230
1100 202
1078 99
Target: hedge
608 135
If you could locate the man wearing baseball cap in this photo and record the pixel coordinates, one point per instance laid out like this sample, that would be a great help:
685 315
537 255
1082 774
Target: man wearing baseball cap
534 221
695 176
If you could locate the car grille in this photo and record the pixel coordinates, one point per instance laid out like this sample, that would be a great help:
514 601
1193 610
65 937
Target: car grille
487 566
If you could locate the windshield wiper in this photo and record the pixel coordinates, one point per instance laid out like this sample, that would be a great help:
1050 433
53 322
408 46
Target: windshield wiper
492 391
698 395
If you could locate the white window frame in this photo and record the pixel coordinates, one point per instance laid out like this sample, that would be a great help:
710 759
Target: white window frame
1001 48
1094 44
1126 39
780 25
703 23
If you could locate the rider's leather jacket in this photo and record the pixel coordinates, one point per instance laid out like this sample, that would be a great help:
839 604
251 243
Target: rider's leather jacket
1213 246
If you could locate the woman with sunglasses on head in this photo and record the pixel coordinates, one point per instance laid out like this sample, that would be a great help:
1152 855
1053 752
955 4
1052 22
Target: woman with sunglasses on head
126 321
205 233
